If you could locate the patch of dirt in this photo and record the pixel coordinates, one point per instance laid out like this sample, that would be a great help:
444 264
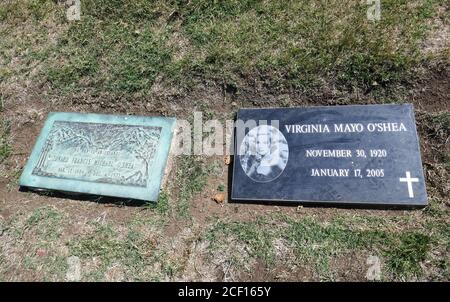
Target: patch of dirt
352 266
431 92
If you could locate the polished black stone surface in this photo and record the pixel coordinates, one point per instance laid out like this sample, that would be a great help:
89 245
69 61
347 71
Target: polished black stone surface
363 154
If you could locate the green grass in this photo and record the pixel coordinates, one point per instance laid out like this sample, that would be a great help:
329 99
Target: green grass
443 121
2 103
36 237
407 252
46 222
50 268
17 11
191 177
102 243
108 55
144 58
316 244
134 252
5 147
438 128
254 234
124 47
435 209
162 205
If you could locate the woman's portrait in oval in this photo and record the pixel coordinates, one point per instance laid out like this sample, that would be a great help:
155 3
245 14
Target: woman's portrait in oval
264 153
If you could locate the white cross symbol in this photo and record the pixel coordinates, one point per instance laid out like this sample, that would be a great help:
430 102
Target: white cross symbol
409 180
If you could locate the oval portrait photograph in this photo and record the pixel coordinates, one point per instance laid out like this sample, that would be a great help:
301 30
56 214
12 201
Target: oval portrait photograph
264 153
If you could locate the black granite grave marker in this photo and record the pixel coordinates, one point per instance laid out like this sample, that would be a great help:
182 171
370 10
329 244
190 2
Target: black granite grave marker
363 154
